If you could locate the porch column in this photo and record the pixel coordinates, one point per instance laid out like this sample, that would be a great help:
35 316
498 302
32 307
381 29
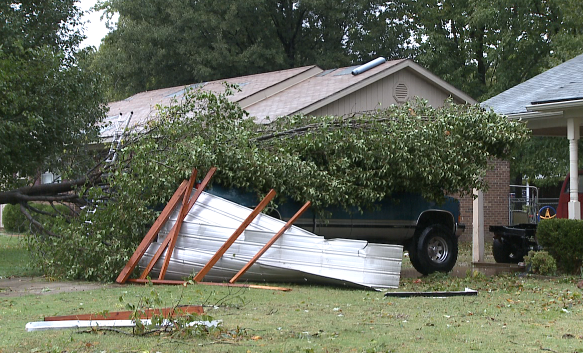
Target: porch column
573 136
478 227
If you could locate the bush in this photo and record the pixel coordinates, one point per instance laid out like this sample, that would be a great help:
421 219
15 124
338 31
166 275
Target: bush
563 239
13 220
540 262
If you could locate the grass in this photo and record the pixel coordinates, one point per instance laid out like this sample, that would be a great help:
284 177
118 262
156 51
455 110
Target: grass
14 258
512 313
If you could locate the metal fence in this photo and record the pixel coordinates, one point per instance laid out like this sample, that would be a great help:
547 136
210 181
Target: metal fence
524 205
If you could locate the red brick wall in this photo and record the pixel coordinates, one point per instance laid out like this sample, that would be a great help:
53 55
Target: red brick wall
495 200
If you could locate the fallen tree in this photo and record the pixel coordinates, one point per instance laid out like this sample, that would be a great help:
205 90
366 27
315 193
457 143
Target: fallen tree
350 161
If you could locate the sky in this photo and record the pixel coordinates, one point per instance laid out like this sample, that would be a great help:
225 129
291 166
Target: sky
95 29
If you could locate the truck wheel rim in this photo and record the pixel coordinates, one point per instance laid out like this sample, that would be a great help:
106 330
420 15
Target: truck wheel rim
437 249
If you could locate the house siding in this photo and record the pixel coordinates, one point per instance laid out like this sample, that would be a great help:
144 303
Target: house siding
381 94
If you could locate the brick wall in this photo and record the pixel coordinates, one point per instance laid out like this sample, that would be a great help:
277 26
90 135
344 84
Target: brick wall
495 200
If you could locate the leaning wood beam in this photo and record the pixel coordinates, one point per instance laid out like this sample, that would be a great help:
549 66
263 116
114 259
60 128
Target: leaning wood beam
126 315
183 283
174 232
193 199
149 238
200 275
270 242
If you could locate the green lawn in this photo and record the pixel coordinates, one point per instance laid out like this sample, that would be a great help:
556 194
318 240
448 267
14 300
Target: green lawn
14 258
512 313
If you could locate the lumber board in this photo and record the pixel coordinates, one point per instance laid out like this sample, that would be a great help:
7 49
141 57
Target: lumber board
126 315
183 283
270 242
203 272
193 199
152 233
174 233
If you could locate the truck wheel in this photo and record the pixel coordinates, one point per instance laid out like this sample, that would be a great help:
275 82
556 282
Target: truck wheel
436 250
413 255
505 253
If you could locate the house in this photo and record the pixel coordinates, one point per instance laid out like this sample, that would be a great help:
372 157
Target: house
308 90
551 104
311 90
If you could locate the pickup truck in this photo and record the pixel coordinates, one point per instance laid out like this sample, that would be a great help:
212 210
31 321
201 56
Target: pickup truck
427 230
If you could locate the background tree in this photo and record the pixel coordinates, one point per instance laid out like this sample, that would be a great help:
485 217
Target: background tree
167 43
486 47
49 102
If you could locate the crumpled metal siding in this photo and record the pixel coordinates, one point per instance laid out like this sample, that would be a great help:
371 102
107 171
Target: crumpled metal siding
298 256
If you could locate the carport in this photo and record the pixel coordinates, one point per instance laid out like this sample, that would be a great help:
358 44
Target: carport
551 104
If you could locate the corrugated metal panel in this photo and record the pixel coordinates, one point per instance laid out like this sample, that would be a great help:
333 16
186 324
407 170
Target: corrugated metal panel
298 256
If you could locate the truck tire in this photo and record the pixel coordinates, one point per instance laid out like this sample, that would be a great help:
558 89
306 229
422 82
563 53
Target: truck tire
505 253
436 250
413 255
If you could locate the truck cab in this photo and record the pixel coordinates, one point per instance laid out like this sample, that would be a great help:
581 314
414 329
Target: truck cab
565 197
427 230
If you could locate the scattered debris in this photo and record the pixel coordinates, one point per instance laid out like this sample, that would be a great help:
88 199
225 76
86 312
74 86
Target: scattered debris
125 315
466 292
66 324
222 284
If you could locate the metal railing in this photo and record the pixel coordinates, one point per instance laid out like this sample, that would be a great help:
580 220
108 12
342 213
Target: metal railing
524 205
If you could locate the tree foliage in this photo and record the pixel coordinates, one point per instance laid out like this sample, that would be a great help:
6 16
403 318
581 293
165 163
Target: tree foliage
348 161
167 43
543 161
49 102
481 47
486 47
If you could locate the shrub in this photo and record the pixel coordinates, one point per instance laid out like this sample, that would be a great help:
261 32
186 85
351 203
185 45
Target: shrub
563 239
540 262
13 220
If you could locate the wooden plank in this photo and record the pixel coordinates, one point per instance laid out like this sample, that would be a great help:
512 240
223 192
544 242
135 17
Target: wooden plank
157 281
126 315
149 238
174 231
182 283
200 275
239 285
270 242
193 199
155 258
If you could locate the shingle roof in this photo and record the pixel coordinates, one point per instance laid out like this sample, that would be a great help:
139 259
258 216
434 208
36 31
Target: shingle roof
561 83
272 94
143 104
312 90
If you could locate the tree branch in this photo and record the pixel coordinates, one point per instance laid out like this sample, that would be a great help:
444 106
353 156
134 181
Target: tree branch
34 222
49 192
